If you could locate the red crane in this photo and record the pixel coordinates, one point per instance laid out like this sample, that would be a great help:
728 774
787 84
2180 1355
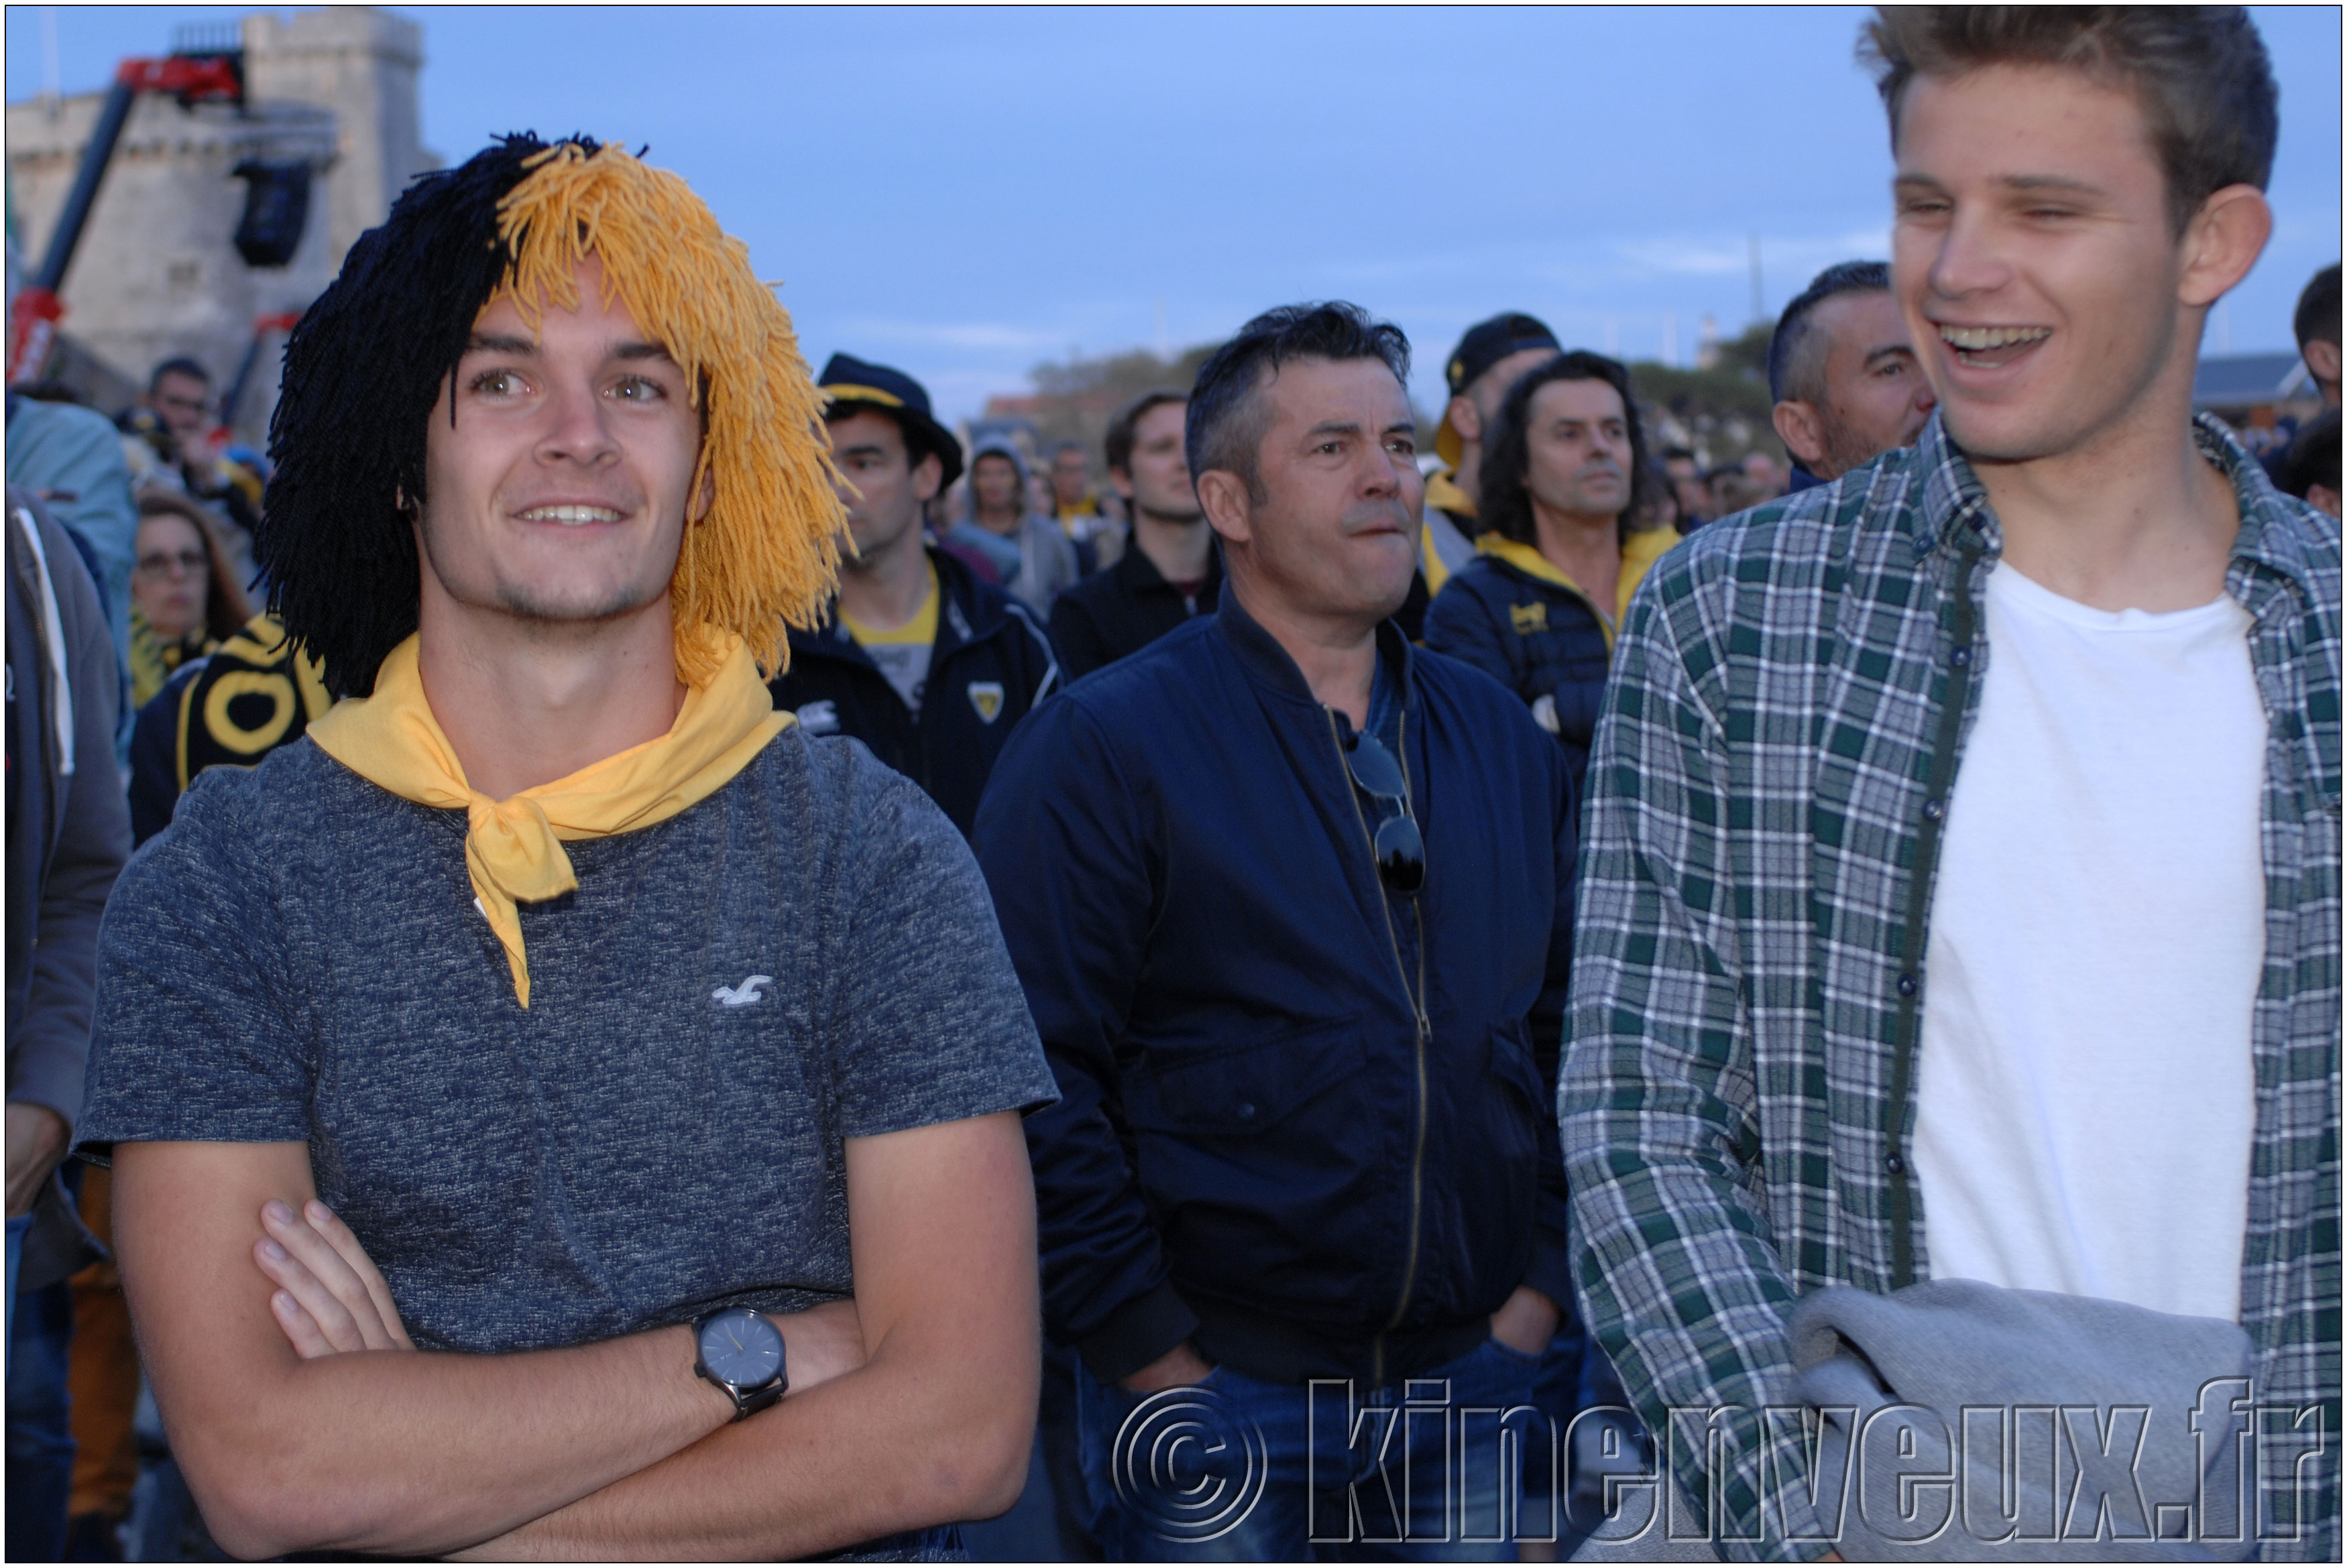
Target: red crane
193 78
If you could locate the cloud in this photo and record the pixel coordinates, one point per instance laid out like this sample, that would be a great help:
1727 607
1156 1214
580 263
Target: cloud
959 394
1686 258
1352 271
967 336
1720 255
1598 266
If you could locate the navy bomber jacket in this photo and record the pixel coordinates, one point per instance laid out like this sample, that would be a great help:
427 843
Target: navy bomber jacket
1261 1144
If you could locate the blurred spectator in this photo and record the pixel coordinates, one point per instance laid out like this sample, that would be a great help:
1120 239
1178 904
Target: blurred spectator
2311 467
1072 482
1171 571
1099 536
69 834
180 395
1657 507
2316 323
1733 489
1761 469
917 658
1486 363
183 600
1843 374
1686 475
234 705
71 459
167 440
1569 501
1034 559
942 513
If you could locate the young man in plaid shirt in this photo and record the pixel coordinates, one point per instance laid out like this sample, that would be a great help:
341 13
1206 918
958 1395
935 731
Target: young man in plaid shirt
1961 867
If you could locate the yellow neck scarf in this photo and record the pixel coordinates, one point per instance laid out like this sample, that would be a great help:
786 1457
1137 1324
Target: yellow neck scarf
512 847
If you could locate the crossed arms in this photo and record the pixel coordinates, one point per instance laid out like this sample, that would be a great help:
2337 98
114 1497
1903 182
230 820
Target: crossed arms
606 1450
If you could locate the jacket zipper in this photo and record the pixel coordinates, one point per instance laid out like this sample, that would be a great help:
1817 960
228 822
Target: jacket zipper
1417 1011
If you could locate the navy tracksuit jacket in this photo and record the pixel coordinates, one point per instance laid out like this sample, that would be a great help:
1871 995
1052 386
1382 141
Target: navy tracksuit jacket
990 665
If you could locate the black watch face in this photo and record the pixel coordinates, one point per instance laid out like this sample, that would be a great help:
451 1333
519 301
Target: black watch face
741 1347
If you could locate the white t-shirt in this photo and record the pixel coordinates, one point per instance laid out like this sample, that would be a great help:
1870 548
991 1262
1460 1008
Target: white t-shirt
906 668
2084 1092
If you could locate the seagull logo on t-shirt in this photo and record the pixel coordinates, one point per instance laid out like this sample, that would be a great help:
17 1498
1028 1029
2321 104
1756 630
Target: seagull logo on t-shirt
743 994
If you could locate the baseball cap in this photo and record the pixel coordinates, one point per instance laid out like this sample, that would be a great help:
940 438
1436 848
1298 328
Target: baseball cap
1486 344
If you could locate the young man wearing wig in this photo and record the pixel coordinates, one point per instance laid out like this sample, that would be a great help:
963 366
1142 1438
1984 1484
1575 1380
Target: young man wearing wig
539 1126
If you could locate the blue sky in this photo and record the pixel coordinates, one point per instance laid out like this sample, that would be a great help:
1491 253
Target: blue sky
962 192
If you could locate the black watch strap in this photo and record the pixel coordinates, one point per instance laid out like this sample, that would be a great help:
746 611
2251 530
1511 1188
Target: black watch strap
746 1404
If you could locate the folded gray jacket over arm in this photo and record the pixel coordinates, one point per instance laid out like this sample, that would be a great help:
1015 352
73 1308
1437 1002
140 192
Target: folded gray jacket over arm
1963 1422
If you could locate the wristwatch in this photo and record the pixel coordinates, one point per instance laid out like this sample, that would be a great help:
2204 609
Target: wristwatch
742 1353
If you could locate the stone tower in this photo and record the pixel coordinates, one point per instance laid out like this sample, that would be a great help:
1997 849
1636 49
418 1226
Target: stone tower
157 273
362 64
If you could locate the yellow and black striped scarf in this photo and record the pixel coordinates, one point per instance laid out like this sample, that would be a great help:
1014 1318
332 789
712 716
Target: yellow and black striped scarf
153 658
254 696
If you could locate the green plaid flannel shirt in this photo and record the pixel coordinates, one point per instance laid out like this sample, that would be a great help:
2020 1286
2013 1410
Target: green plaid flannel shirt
1789 698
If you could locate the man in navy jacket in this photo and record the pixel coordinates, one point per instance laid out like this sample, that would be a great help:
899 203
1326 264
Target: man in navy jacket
1292 905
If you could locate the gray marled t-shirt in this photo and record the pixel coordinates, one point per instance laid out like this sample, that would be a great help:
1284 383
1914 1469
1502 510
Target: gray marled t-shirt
808 955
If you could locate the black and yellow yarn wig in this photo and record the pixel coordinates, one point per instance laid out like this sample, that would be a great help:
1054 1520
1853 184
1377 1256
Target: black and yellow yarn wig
365 369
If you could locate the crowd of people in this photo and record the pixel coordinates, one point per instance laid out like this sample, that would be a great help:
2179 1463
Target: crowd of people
710 971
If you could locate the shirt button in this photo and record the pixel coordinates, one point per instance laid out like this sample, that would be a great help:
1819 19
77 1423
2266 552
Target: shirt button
1246 1111
1961 658
1933 810
1906 985
1893 1163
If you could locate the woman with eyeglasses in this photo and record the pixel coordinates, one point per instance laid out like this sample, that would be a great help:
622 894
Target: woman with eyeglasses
183 597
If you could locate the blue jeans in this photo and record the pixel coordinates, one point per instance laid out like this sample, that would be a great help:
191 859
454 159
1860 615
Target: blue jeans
1594 1435
1051 1522
1237 1470
40 1436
